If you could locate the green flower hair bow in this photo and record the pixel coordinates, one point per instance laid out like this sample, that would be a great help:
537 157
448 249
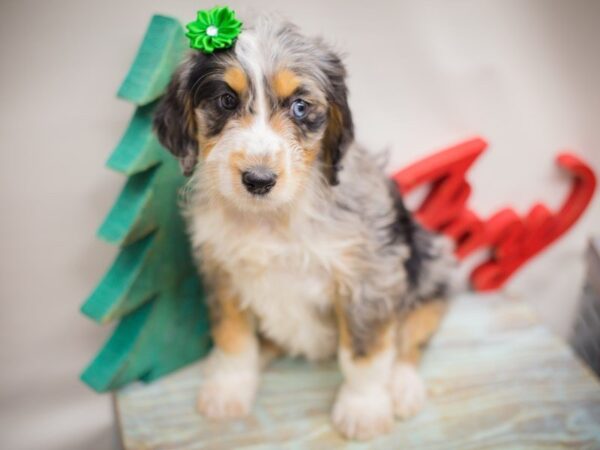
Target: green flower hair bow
213 29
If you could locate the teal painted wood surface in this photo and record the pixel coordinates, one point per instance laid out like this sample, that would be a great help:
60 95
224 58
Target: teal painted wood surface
152 288
138 149
156 59
497 380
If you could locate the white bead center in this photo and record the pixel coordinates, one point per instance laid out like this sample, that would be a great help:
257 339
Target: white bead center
212 30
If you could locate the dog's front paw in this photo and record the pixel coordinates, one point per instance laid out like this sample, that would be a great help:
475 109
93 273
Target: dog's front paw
363 414
408 391
227 397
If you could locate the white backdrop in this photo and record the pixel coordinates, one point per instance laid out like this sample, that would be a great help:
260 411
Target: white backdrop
423 75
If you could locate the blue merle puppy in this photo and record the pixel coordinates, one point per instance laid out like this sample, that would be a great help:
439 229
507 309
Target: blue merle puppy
305 245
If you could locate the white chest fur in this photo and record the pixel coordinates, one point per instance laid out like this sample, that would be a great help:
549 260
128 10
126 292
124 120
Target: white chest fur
285 279
291 299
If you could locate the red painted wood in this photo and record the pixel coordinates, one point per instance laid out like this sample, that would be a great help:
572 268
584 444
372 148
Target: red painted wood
511 239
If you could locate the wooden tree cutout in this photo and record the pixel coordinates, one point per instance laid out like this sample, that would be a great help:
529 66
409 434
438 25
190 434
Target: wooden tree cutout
152 288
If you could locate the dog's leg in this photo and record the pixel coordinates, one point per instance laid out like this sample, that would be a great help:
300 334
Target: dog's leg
363 407
232 368
408 390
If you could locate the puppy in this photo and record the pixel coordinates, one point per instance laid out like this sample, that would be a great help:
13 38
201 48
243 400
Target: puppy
303 243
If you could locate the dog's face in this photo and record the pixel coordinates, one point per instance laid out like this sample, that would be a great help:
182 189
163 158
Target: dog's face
260 118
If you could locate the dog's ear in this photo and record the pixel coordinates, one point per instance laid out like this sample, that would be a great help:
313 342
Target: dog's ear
175 125
339 133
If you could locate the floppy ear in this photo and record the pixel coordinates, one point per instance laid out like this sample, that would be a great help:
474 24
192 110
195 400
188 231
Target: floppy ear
175 125
339 133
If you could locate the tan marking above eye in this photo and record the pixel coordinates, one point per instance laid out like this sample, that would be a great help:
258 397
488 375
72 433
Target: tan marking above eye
236 79
285 82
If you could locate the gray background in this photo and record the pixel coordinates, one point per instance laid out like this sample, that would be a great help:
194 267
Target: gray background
423 75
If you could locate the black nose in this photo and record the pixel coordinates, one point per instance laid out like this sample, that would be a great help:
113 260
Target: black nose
259 180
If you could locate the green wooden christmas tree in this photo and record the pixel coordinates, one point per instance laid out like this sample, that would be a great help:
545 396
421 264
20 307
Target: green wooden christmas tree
152 288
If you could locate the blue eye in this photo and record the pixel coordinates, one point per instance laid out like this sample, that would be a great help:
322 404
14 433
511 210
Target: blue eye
299 109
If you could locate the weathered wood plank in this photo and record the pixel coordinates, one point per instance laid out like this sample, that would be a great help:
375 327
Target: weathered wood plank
497 378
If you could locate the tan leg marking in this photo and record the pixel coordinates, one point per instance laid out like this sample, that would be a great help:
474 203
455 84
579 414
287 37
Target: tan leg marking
417 328
232 328
409 392
231 371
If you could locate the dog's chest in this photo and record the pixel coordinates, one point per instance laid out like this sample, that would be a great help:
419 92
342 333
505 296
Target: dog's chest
292 301
286 281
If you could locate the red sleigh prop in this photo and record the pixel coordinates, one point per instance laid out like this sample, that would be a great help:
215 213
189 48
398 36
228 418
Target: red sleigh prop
512 239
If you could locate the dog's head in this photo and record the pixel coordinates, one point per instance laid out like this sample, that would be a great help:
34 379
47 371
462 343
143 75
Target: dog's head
259 118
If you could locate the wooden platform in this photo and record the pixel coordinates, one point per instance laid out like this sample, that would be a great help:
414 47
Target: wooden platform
497 380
